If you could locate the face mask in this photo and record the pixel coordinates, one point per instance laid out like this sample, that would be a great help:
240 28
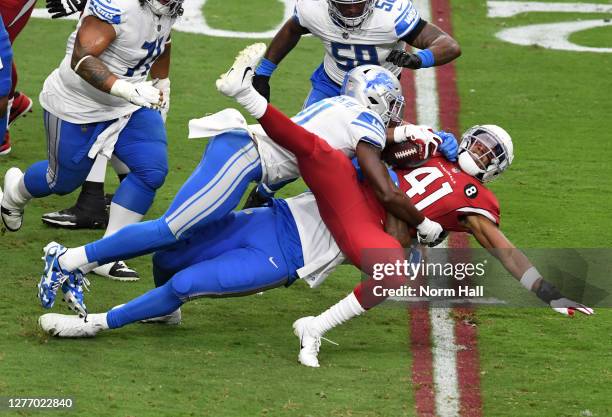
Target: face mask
468 165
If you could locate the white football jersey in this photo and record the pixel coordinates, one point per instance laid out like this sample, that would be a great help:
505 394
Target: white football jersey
390 21
141 39
341 121
319 249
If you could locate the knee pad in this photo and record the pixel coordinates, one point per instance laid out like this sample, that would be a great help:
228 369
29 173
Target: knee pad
153 178
181 285
64 186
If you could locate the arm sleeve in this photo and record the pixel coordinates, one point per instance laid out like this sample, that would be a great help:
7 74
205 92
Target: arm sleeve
406 20
368 127
411 36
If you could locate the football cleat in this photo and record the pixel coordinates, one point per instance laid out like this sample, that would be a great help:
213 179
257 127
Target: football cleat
5 145
118 271
76 218
62 325
239 77
73 292
173 318
310 342
11 211
21 106
53 276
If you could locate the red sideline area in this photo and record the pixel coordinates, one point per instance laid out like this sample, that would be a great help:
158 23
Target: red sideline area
468 368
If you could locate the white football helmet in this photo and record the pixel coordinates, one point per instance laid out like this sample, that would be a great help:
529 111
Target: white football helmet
351 22
376 88
485 152
172 8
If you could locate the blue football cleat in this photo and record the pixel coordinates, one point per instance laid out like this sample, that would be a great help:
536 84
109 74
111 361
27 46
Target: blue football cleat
73 292
53 276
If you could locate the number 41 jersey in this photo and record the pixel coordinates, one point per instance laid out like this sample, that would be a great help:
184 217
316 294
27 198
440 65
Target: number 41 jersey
444 193
141 37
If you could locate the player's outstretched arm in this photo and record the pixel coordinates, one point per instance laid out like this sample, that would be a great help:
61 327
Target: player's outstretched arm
92 39
491 238
393 200
437 48
283 42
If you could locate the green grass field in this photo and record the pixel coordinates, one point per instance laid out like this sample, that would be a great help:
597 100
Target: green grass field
237 357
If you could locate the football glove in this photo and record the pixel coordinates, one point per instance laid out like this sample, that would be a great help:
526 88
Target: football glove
164 86
63 8
449 146
404 59
553 297
427 141
141 94
261 83
429 232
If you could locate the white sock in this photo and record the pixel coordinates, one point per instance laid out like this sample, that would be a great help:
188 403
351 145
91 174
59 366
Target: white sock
98 320
73 259
97 173
343 310
119 167
19 196
253 102
120 217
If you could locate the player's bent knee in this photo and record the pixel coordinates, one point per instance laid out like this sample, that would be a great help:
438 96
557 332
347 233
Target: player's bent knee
64 187
182 284
153 178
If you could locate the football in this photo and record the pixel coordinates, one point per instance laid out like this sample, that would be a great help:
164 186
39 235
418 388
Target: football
406 154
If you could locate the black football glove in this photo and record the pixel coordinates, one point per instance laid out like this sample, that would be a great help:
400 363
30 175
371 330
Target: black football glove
255 199
62 8
404 59
261 83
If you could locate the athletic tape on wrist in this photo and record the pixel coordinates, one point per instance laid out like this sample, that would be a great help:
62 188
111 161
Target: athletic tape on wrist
427 58
530 277
265 67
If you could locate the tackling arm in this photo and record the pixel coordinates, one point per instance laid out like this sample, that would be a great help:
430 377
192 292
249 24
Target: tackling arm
393 200
491 238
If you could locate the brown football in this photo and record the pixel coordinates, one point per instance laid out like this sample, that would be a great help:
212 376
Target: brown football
403 155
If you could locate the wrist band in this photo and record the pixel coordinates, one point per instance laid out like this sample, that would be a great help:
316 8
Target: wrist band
530 277
266 67
548 292
427 58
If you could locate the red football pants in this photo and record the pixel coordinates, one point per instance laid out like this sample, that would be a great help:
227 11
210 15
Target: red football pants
15 15
344 205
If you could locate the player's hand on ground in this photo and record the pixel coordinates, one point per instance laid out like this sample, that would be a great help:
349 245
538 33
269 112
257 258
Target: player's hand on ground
428 232
141 94
449 146
404 59
568 307
62 8
261 83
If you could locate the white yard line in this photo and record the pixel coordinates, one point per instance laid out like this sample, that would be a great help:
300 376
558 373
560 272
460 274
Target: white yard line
444 348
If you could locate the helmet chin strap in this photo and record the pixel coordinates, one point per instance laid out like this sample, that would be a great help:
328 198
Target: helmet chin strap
468 165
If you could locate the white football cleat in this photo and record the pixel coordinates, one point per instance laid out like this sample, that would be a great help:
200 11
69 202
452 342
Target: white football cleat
117 271
11 210
172 319
61 325
310 342
238 78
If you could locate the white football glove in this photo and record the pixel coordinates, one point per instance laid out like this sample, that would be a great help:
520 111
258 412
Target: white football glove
164 86
422 135
429 232
141 94
548 293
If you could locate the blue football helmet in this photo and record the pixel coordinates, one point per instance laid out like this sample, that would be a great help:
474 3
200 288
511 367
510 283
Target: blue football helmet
377 89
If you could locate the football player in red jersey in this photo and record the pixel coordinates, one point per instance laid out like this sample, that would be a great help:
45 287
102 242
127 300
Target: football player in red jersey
453 194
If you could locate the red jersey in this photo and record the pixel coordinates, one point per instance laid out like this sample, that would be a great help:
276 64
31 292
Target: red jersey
444 193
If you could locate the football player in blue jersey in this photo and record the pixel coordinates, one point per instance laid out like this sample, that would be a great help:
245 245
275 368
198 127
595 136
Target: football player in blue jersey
99 102
6 65
354 32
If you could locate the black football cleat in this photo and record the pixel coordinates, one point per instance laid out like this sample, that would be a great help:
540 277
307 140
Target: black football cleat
76 218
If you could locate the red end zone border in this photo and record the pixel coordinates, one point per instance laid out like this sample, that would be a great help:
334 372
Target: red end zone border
468 367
